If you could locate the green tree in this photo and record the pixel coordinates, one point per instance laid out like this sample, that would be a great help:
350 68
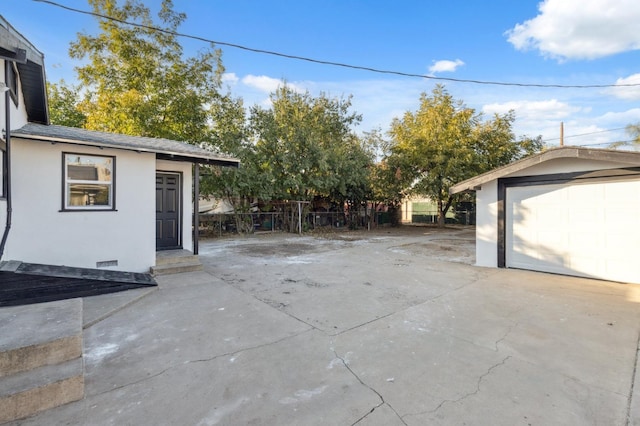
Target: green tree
445 142
63 105
237 186
353 161
494 143
301 142
386 183
136 79
634 131
305 147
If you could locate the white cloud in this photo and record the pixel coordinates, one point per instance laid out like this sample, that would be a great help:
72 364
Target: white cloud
551 109
630 116
580 29
543 117
230 78
629 92
445 66
268 84
262 82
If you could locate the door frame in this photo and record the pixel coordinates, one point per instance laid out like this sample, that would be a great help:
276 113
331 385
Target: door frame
180 209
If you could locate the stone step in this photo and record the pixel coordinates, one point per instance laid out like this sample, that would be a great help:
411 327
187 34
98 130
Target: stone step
40 334
41 364
24 394
176 268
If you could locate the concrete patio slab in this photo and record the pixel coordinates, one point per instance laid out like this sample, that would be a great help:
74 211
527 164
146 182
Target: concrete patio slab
387 328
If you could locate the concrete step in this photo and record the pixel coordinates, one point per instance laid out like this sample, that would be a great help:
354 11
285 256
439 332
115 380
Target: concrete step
41 363
175 262
176 268
29 392
168 257
40 334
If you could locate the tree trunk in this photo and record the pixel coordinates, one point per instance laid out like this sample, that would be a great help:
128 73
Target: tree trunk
443 208
441 214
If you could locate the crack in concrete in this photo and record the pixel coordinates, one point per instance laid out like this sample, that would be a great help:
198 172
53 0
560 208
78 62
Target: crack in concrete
368 322
266 302
288 314
566 377
478 383
229 281
633 383
194 361
475 280
250 348
134 383
382 401
511 327
467 395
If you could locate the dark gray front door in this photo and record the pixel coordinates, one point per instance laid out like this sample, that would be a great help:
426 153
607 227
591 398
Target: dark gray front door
167 211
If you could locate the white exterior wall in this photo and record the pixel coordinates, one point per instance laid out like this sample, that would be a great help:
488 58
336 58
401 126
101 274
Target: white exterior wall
187 197
487 225
487 203
41 233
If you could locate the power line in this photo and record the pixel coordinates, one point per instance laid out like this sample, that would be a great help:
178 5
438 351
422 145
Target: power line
337 64
586 134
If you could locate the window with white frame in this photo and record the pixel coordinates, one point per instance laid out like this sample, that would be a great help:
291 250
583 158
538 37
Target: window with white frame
88 182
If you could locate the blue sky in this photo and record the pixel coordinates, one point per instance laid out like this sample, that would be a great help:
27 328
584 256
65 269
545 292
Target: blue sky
557 42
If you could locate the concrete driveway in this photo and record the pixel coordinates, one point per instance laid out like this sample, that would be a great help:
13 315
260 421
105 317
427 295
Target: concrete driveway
385 328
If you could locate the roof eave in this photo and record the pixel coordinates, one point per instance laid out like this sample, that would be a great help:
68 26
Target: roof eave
163 154
475 183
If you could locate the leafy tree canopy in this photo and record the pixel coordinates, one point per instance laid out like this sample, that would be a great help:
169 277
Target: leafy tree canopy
136 81
634 131
305 144
63 105
445 142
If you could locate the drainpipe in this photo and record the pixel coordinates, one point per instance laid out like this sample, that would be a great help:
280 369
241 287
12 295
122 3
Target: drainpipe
7 177
196 207
18 56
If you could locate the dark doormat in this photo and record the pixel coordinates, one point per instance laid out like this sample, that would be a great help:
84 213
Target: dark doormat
23 288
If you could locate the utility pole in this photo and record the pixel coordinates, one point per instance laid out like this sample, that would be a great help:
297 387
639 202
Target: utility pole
561 133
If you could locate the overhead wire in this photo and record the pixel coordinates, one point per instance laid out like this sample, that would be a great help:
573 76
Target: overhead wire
586 134
332 63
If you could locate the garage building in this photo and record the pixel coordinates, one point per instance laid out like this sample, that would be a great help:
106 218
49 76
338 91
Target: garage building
567 210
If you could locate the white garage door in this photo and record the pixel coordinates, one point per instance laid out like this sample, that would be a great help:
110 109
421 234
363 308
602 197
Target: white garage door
588 229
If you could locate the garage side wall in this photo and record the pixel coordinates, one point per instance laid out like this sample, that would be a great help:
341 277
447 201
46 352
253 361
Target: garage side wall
486 225
42 233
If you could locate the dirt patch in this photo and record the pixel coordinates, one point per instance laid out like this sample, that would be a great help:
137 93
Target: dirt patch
456 244
276 249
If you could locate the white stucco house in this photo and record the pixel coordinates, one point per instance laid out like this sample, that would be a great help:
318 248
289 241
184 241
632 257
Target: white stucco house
568 210
82 198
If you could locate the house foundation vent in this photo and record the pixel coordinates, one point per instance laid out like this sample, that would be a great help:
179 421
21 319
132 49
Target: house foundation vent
106 263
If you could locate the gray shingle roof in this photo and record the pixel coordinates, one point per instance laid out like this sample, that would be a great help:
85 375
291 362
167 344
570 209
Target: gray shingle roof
166 148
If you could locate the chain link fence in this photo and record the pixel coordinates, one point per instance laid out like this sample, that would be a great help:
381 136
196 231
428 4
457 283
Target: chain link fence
219 224
461 217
